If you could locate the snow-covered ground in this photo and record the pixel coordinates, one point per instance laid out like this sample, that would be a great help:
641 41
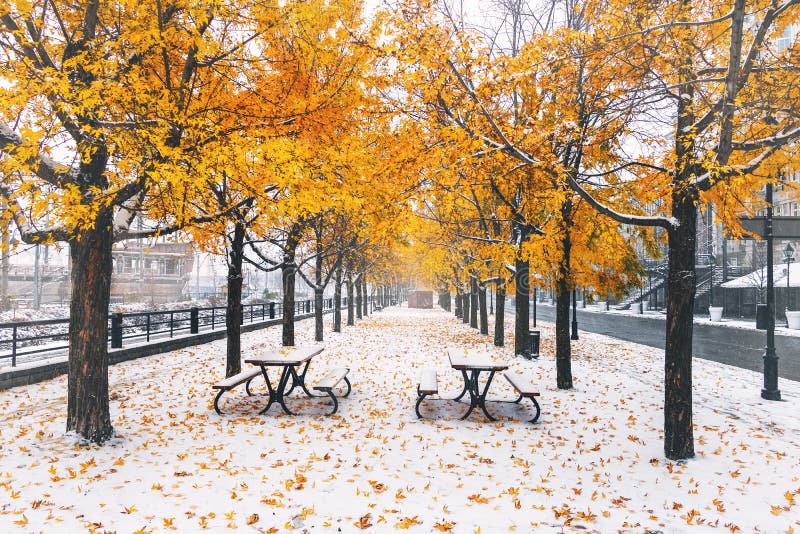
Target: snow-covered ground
594 461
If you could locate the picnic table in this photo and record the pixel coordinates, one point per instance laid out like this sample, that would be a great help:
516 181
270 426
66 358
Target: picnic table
287 359
471 366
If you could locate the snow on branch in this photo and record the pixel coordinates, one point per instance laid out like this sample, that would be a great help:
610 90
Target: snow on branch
43 166
636 220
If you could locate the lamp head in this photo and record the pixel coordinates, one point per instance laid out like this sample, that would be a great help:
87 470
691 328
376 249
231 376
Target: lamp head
788 252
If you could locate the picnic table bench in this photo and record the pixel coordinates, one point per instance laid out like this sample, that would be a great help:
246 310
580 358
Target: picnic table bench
428 385
526 390
245 377
330 381
471 365
287 359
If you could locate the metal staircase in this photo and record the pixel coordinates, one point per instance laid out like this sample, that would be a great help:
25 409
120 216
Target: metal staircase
706 279
657 277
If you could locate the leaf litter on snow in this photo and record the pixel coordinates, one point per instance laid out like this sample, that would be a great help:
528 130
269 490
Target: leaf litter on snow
593 462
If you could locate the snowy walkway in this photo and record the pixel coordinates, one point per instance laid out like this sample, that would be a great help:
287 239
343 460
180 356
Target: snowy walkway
594 460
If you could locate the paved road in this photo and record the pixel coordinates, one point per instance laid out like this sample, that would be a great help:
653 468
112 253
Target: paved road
732 346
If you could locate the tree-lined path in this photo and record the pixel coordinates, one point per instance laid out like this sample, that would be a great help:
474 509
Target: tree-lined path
369 148
177 465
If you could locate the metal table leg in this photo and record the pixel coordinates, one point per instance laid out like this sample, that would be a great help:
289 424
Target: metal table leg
477 399
288 373
482 398
270 390
277 394
471 385
463 391
300 380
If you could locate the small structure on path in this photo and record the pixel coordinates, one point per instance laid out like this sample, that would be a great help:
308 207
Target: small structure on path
420 299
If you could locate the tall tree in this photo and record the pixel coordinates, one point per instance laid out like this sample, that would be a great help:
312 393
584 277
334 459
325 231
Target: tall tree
102 98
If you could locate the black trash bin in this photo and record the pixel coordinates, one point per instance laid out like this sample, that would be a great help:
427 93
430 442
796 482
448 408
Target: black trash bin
534 347
761 316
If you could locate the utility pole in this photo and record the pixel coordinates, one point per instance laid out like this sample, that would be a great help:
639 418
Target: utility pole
37 298
6 242
197 276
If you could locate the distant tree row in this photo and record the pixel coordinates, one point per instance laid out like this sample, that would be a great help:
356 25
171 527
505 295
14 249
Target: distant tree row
565 130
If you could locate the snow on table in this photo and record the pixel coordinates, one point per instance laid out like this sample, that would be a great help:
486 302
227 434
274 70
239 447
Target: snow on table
594 460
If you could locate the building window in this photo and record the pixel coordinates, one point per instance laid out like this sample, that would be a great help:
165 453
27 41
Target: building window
786 39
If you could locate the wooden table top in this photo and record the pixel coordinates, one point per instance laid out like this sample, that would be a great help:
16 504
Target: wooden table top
468 361
287 356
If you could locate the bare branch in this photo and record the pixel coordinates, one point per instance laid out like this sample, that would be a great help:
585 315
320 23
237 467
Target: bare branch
43 166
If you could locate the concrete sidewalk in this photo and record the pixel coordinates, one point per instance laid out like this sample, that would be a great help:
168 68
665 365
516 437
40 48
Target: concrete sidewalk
728 342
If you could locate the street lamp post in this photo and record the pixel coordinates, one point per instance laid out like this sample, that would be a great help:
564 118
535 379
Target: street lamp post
712 264
788 253
574 315
770 390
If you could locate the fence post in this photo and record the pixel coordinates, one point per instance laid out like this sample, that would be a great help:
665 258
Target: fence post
271 310
171 323
116 331
213 317
194 321
148 327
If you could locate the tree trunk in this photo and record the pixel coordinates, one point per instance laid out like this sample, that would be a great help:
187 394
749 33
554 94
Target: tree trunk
563 347
288 273
445 300
233 313
458 311
350 318
318 304
678 434
365 300
563 294
681 285
359 296
484 317
500 315
87 388
465 303
522 308
318 290
337 301
473 302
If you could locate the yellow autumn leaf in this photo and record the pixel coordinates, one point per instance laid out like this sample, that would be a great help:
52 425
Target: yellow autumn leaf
444 526
365 521
407 522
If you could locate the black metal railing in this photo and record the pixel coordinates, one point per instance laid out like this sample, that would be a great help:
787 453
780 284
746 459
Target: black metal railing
31 340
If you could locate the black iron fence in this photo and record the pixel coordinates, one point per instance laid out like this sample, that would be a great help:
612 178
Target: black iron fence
35 340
